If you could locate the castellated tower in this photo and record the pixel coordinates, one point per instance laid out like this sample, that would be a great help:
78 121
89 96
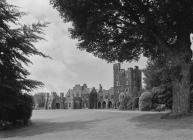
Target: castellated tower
116 83
127 81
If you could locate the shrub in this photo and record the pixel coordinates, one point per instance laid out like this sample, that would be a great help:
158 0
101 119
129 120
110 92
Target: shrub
145 101
126 103
122 96
18 109
8 102
135 103
160 107
24 108
162 95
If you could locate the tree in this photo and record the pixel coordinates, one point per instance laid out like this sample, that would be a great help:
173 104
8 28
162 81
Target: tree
158 79
39 100
122 30
16 47
93 99
157 73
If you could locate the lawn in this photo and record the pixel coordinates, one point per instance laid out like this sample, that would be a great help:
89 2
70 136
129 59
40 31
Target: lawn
101 125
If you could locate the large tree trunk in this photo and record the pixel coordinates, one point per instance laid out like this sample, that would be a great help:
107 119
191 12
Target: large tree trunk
181 91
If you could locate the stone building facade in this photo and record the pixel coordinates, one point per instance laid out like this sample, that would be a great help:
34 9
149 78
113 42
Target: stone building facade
53 101
69 103
84 97
105 98
78 97
126 81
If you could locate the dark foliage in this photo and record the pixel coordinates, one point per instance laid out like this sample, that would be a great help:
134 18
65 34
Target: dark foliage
16 112
24 107
122 30
16 47
158 79
157 73
135 103
162 95
93 99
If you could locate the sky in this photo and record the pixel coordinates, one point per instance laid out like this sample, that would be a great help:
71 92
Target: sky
68 66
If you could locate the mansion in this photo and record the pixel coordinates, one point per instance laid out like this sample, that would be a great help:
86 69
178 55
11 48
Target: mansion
80 97
126 83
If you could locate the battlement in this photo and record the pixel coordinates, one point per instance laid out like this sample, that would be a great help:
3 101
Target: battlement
117 66
77 85
130 69
53 94
128 80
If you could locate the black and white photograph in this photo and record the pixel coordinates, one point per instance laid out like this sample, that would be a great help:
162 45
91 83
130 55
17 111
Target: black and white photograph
96 70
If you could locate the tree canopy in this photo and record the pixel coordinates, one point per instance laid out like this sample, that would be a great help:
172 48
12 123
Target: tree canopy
17 44
16 47
123 29
157 73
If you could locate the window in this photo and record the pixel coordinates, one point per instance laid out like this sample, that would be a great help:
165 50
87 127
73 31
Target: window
69 105
118 83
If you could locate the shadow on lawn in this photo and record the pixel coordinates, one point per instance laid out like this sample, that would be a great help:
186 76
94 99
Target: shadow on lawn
154 121
42 127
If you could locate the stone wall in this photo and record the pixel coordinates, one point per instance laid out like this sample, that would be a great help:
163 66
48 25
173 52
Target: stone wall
127 81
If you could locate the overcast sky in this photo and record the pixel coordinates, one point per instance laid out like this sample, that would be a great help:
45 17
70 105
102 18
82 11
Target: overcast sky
69 65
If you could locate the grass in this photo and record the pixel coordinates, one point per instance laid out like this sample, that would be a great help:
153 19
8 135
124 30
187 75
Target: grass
102 125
